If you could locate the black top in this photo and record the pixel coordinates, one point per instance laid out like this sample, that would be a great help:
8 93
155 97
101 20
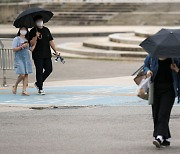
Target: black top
164 74
42 49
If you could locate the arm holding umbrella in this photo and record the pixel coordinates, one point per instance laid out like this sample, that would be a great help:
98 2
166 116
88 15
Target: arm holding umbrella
33 41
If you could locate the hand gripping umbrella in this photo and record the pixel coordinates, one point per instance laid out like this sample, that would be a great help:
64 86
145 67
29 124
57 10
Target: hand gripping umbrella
165 43
25 19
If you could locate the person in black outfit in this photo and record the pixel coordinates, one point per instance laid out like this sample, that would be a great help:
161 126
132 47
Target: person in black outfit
41 37
164 76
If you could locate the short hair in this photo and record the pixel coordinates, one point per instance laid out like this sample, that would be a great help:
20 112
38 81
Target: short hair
37 17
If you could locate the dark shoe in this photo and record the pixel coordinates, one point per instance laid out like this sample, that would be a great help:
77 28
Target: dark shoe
166 143
157 143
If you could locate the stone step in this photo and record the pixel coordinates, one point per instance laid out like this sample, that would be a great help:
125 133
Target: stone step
79 16
78 22
146 18
92 6
84 13
146 32
104 43
93 10
78 49
86 18
134 18
126 38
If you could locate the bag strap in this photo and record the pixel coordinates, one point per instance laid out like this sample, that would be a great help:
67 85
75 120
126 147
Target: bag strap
138 70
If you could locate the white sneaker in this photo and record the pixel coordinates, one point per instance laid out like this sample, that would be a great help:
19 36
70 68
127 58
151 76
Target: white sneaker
41 92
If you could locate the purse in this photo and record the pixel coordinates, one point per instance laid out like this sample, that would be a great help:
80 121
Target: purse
141 75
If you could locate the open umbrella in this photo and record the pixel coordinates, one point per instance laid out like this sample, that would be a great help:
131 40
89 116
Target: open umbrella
26 17
165 43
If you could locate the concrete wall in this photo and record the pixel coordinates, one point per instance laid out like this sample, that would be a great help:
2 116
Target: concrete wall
10 11
104 1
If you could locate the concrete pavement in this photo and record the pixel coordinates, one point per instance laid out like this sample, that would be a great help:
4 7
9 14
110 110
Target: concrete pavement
108 92
76 31
90 130
104 91
92 116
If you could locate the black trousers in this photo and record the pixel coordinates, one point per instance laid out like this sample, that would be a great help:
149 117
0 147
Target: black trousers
164 97
43 70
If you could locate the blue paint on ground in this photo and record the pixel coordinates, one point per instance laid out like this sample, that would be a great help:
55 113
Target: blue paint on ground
76 95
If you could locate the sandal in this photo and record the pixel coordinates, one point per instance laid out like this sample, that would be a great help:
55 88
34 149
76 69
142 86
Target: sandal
14 90
25 94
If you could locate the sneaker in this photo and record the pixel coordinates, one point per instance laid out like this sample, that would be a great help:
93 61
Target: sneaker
166 143
35 84
41 92
157 143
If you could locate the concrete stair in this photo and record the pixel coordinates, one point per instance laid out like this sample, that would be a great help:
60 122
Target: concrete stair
127 13
115 13
87 52
92 7
115 46
81 18
104 43
126 38
87 13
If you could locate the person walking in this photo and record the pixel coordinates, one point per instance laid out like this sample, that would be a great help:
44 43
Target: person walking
164 76
41 37
22 61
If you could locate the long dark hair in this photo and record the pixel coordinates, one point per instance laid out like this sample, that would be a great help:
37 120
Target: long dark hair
27 35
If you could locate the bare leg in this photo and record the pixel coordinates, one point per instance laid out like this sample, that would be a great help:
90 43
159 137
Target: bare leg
19 79
25 84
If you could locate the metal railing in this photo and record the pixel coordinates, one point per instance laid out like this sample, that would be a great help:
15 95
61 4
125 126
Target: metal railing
6 61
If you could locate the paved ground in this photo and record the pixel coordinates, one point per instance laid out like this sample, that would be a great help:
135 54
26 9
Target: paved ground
90 107
60 31
75 69
90 130
91 92
97 116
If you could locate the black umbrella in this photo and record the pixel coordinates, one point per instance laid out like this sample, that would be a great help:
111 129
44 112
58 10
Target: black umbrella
165 43
26 17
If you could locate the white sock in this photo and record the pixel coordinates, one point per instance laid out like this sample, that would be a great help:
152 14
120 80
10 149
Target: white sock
160 137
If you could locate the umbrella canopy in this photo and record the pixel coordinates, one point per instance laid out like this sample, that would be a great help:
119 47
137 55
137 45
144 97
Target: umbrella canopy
26 17
165 43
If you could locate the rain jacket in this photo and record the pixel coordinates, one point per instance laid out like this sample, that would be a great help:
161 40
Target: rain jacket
152 65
